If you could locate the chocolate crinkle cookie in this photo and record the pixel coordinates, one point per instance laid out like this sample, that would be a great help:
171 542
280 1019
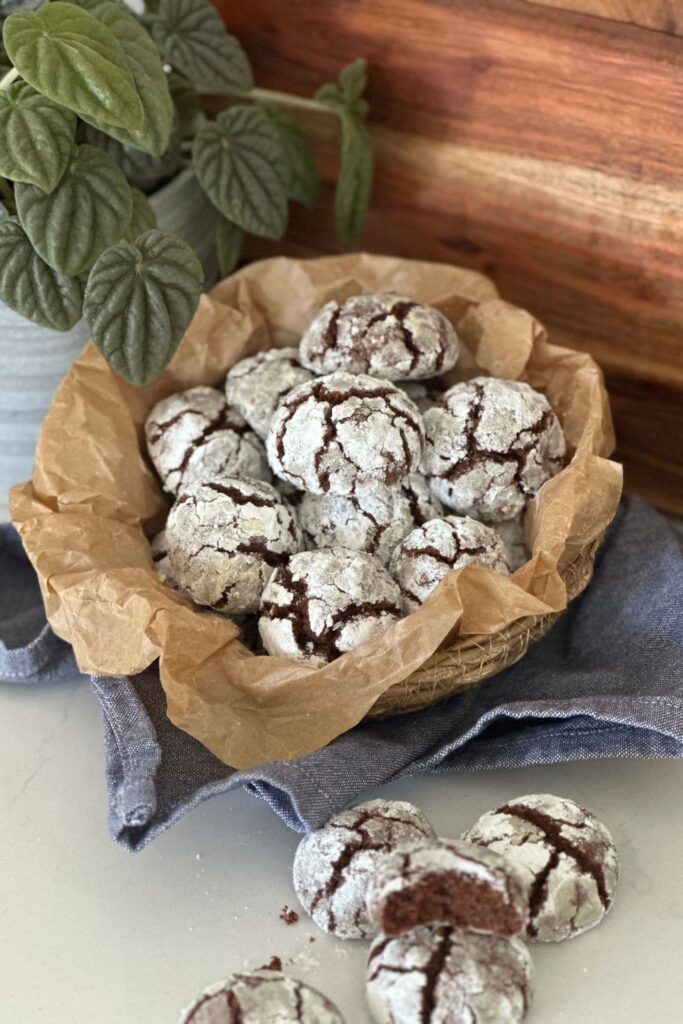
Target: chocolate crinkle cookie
195 435
383 335
437 975
324 603
337 433
332 866
374 519
564 856
254 386
448 882
431 551
225 539
262 997
490 445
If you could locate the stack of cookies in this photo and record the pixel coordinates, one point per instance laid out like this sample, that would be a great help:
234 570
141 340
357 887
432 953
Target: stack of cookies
448 917
330 488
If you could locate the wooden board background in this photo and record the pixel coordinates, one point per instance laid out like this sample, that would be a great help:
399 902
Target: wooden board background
538 143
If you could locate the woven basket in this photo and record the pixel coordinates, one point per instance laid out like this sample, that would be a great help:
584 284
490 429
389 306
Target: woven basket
473 659
86 516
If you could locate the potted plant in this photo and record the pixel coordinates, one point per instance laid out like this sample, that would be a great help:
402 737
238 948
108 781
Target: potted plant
115 188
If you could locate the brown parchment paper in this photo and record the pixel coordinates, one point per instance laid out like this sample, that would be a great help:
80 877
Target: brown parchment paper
93 502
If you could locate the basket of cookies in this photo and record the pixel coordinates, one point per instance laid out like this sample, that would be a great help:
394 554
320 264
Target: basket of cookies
362 485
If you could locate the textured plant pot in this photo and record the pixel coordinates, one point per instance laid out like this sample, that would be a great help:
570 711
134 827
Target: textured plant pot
33 359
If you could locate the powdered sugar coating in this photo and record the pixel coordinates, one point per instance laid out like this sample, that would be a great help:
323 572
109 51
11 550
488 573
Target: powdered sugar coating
333 866
384 335
436 975
337 433
564 856
473 883
323 603
431 551
255 385
195 435
511 532
374 519
262 997
490 445
225 539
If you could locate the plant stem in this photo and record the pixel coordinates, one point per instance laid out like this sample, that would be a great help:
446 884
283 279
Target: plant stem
285 98
8 78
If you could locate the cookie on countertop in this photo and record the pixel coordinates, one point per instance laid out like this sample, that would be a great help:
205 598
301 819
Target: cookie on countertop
490 445
436 975
430 552
382 334
226 538
262 997
321 604
562 853
374 519
195 435
333 866
255 385
447 881
337 433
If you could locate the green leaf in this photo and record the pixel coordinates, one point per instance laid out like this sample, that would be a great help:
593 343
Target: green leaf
347 96
139 301
240 164
353 80
192 37
329 94
32 288
142 170
89 209
36 137
70 57
142 218
150 80
304 180
228 246
186 102
354 185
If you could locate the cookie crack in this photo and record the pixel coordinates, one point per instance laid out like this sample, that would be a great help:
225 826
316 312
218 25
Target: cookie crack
588 860
240 497
432 973
429 551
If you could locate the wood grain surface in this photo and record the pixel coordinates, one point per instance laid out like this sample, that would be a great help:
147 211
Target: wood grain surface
541 146
664 15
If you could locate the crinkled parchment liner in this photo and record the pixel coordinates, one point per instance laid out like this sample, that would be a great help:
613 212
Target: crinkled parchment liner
93 502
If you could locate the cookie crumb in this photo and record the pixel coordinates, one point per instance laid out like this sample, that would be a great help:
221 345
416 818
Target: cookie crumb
275 964
288 916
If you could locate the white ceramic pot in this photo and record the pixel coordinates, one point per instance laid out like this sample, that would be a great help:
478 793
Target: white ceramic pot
33 359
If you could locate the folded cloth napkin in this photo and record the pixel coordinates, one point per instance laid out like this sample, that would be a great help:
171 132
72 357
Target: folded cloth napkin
606 681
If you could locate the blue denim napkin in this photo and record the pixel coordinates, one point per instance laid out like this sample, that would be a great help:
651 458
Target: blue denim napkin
606 681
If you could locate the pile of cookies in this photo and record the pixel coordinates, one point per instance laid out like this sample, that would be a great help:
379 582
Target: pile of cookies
330 488
448 917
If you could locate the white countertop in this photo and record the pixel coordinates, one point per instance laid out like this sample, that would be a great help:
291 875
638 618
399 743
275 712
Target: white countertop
90 934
